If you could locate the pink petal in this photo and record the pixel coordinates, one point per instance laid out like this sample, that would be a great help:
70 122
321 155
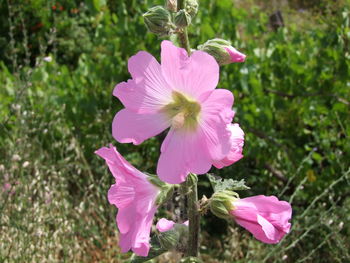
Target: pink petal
118 166
264 216
237 142
121 195
148 91
183 152
216 114
192 75
164 225
133 127
235 55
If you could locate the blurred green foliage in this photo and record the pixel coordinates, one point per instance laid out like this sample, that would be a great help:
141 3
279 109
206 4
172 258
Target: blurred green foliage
59 64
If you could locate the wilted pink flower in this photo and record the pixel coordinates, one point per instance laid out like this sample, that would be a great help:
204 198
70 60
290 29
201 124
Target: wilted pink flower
164 224
265 217
236 56
237 142
180 94
135 198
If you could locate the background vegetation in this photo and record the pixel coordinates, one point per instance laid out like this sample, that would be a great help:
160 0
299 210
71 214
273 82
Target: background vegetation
59 62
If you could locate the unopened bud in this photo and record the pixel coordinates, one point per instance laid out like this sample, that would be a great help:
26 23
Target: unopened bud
158 21
174 238
221 203
192 7
222 51
171 5
182 19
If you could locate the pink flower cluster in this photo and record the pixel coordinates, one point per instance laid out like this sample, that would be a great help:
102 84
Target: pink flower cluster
180 95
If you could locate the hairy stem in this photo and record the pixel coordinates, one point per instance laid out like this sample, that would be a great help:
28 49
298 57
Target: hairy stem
182 34
193 216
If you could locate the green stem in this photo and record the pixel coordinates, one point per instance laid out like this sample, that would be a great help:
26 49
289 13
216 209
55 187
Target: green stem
193 216
182 34
191 183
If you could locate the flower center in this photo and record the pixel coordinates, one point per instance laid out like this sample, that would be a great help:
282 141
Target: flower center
182 111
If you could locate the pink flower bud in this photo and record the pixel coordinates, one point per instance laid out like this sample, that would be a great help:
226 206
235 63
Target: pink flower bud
265 217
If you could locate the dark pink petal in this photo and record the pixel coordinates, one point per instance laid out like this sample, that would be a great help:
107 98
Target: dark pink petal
134 127
192 75
148 91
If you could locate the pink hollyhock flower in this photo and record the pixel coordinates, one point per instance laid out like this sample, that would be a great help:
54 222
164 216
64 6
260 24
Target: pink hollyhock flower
165 225
135 197
265 217
180 94
235 154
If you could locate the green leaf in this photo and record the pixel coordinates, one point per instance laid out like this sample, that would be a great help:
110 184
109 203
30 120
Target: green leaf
220 184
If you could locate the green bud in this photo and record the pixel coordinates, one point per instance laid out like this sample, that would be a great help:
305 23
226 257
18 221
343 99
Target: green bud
217 48
174 238
158 20
171 5
182 19
192 7
221 203
191 179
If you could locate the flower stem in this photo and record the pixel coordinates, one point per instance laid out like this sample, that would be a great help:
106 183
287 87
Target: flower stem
193 215
182 34
191 183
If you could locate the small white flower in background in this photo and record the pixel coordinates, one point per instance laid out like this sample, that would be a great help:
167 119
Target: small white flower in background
341 224
25 164
2 168
330 222
284 257
47 59
16 158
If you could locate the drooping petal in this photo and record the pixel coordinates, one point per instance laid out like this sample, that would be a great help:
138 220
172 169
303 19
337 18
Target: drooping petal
135 198
237 142
148 91
183 152
192 75
118 166
216 114
134 127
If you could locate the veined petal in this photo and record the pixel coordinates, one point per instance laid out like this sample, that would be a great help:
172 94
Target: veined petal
216 114
183 152
121 195
148 91
192 75
134 127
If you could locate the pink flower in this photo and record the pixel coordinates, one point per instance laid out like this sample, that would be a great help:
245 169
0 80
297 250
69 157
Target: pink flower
235 154
180 94
165 225
264 216
135 198
236 56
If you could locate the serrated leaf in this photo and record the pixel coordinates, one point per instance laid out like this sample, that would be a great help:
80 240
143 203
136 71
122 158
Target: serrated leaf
220 184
